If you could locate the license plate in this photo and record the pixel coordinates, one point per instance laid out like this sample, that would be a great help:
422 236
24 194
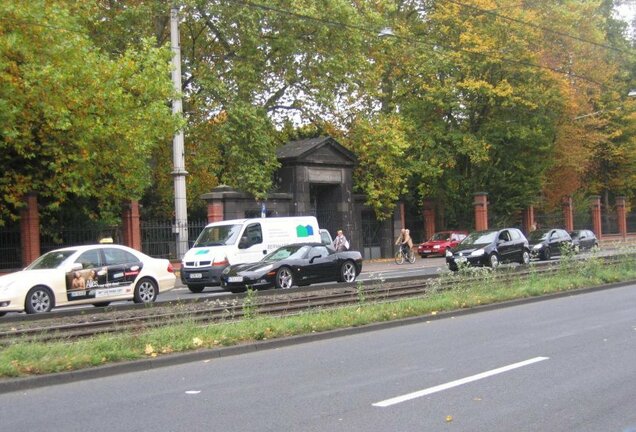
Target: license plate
195 276
426 251
460 259
235 279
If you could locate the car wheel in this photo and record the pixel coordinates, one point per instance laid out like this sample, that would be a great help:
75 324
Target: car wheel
348 272
146 291
546 254
196 288
525 258
38 300
493 260
399 257
101 304
2 314
453 267
284 278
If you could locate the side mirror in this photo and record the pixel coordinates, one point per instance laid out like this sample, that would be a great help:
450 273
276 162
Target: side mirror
77 266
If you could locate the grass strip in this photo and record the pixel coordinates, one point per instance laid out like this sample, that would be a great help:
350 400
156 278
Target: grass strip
469 288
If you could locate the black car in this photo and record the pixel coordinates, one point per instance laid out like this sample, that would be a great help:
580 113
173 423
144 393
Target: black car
490 248
546 243
297 264
583 240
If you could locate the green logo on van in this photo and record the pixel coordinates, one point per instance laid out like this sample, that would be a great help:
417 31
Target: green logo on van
304 230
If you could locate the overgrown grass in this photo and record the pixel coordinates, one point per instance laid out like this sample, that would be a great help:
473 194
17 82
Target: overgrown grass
469 288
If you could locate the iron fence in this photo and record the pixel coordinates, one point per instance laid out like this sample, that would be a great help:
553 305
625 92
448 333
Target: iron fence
159 240
10 249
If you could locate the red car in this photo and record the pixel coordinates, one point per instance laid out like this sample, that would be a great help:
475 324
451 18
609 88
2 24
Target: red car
441 241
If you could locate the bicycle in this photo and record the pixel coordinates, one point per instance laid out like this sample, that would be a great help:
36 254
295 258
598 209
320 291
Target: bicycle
401 256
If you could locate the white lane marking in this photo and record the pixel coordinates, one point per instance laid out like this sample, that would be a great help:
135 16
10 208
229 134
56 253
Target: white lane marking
428 391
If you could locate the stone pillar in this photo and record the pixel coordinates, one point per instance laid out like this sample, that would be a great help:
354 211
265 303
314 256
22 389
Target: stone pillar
428 214
215 211
30 229
528 221
132 225
481 211
568 213
621 216
595 207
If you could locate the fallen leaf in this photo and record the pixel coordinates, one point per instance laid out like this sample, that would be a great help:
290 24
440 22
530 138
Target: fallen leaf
449 419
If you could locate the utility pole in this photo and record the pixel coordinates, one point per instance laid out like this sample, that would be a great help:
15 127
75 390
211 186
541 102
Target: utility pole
180 227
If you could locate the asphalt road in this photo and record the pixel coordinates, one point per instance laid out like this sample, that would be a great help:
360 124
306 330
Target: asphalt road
566 364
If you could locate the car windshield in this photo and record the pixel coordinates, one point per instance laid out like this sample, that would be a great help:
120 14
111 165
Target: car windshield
291 251
441 236
538 235
218 235
50 260
480 237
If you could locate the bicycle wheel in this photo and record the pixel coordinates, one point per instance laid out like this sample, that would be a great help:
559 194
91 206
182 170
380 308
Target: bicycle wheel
399 257
410 256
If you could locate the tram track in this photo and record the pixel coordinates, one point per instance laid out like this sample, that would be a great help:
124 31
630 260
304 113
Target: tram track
274 303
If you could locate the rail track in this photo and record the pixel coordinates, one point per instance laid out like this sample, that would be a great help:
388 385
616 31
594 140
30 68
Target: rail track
274 303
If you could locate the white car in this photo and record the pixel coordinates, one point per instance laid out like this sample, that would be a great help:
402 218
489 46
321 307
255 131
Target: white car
92 274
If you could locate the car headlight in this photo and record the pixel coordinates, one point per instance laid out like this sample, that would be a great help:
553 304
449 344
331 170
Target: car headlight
478 252
537 246
449 253
226 270
436 247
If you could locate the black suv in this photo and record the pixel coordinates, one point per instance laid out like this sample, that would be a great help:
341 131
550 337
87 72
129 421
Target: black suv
490 248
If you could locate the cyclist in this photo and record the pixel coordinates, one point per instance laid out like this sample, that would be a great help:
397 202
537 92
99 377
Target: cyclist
405 241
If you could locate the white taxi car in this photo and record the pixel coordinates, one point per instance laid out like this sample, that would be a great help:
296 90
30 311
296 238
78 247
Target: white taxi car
91 274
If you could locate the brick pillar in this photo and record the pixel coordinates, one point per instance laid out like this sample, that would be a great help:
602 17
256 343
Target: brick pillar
215 211
595 207
621 216
528 221
30 229
132 225
568 213
481 211
428 213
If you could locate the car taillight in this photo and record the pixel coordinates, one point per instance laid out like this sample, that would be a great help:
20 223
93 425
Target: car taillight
170 268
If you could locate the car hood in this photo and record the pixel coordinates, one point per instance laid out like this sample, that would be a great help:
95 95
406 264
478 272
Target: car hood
469 248
251 267
432 243
28 276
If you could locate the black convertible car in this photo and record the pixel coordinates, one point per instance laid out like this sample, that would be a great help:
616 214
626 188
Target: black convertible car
297 264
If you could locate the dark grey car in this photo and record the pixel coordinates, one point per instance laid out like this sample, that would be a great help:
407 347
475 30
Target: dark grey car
546 243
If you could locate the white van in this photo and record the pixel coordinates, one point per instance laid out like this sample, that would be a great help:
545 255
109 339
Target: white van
241 241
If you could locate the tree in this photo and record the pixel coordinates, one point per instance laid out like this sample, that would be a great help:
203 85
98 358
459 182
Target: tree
76 124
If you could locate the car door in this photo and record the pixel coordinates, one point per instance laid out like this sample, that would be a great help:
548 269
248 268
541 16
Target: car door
251 247
322 264
83 279
122 268
554 242
505 246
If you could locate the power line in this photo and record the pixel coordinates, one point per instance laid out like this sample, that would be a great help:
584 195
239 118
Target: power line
376 32
546 29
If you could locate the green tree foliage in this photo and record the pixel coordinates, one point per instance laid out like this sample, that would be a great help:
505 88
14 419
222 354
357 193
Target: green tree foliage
75 124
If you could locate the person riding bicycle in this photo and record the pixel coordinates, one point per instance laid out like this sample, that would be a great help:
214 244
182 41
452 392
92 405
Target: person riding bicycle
405 241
